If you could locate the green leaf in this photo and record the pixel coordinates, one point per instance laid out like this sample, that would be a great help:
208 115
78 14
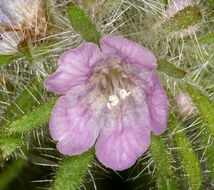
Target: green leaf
34 119
4 59
9 143
83 24
72 171
210 158
170 69
165 183
23 104
189 159
28 99
11 172
160 155
204 104
161 160
207 141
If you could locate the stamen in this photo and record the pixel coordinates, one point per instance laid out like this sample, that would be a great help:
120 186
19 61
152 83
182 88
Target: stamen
123 80
113 101
124 93
114 82
105 71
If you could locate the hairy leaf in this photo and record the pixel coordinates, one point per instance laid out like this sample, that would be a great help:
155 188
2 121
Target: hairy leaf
83 24
34 119
170 69
204 104
72 171
161 159
23 104
189 159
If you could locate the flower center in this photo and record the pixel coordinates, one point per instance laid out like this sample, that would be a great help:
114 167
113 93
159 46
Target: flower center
114 83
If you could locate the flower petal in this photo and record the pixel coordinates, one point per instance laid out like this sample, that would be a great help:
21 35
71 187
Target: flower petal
120 149
130 51
126 135
157 102
74 70
73 126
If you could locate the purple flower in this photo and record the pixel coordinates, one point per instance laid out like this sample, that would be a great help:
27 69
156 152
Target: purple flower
111 96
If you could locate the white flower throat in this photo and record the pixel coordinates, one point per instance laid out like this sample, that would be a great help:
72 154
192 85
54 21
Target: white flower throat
113 100
114 84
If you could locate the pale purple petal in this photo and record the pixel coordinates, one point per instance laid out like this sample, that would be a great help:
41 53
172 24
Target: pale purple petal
157 102
121 148
126 134
75 67
129 51
64 82
73 126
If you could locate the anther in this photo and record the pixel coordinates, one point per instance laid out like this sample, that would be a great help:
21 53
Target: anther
113 100
124 93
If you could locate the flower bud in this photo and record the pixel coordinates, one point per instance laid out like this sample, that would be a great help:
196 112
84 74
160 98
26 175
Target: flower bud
185 105
183 17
